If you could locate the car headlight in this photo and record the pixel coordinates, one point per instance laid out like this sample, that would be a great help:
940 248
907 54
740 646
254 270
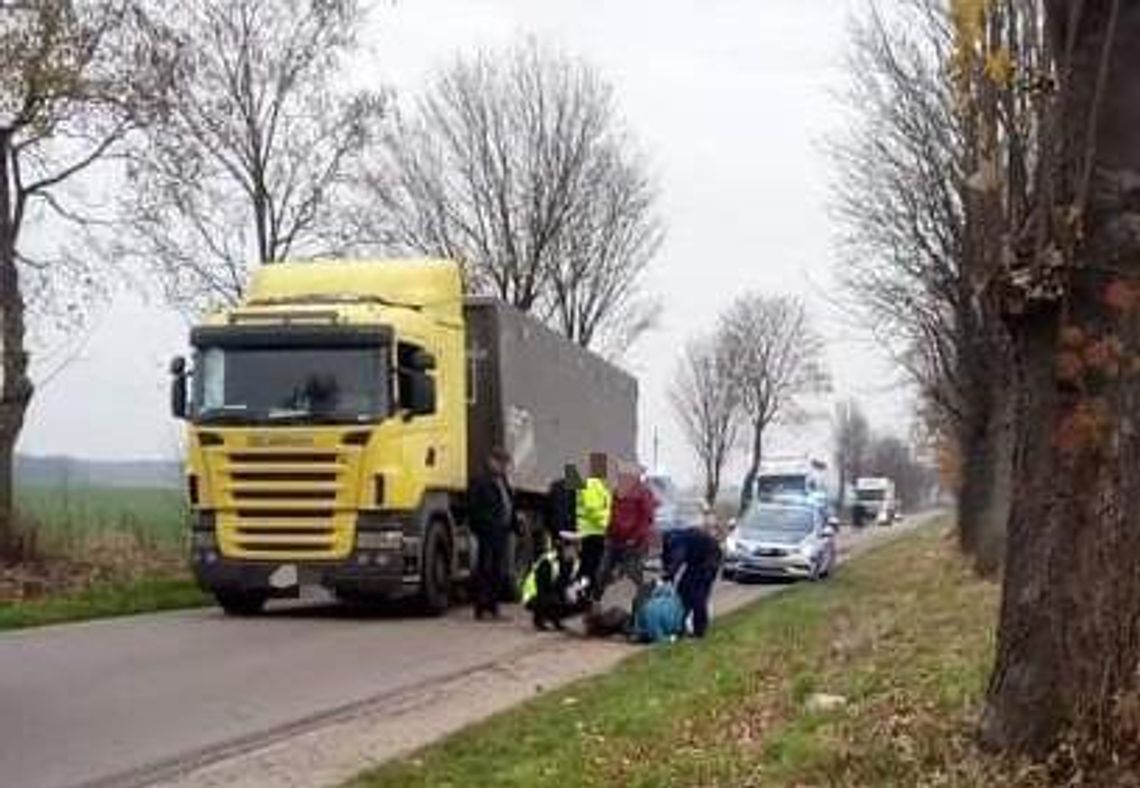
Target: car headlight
731 546
807 549
380 540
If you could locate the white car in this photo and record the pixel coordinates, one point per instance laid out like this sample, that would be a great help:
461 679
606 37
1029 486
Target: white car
781 541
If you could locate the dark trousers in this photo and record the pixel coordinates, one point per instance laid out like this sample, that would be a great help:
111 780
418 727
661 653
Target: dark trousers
694 589
489 583
618 561
590 562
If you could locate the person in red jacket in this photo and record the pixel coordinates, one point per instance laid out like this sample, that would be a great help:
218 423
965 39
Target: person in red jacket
630 531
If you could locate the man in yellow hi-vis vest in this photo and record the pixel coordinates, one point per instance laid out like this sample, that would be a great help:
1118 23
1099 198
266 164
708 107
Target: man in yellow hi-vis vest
593 514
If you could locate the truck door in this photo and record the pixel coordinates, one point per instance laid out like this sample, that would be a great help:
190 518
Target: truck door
421 451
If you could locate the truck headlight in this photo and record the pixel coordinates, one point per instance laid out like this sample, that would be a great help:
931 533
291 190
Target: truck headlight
380 540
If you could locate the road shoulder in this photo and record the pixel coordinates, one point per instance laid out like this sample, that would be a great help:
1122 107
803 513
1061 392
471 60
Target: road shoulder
341 744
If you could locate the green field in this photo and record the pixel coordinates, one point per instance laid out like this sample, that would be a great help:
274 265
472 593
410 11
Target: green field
71 521
97 552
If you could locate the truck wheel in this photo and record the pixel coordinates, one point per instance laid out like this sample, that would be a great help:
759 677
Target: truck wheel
241 603
435 574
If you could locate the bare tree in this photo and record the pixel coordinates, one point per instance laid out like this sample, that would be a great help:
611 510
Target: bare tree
1069 635
774 357
252 161
76 78
916 232
852 436
516 164
705 402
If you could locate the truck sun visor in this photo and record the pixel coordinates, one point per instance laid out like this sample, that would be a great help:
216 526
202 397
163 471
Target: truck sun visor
292 336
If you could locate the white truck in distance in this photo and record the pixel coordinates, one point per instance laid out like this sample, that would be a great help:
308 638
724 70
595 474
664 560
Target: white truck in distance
875 501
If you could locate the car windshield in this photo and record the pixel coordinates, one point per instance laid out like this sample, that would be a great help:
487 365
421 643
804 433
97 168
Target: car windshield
789 521
291 385
870 495
771 487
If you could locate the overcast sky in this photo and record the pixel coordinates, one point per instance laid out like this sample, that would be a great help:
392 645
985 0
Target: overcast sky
731 100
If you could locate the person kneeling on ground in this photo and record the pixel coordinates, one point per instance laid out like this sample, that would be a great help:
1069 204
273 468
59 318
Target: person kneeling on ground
695 552
658 614
546 591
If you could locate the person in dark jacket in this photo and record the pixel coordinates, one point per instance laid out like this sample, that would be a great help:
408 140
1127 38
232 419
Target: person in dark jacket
695 553
562 503
492 519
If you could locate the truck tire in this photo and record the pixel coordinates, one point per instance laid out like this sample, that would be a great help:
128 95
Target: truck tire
241 603
435 572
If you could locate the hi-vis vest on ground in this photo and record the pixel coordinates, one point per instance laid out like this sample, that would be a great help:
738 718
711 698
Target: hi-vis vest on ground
594 503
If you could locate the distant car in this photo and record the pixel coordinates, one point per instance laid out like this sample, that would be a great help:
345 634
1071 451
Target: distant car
781 540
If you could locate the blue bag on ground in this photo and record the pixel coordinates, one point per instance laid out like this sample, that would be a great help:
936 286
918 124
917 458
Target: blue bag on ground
659 615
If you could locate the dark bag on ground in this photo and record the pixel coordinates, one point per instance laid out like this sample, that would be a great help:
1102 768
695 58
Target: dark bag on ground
607 622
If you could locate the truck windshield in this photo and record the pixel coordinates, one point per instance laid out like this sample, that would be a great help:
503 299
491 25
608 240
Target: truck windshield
291 385
870 495
770 487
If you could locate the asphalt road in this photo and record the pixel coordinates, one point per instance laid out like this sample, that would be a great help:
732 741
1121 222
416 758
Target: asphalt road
125 701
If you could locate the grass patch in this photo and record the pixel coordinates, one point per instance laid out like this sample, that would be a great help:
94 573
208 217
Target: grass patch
68 520
903 634
103 601
94 552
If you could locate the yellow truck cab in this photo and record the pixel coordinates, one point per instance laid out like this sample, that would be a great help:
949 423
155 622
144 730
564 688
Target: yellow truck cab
336 415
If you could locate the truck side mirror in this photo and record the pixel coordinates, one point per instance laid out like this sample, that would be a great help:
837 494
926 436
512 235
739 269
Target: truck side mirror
178 387
422 361
421 394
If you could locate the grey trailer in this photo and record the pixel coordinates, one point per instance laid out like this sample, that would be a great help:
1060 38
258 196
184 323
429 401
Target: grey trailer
543 398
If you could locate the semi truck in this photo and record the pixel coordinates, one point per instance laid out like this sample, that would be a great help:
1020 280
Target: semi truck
337 414
794 477
875 501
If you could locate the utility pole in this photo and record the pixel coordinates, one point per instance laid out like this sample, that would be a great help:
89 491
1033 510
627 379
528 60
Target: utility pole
656 450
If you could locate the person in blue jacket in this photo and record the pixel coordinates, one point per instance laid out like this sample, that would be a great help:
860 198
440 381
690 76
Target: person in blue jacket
693 553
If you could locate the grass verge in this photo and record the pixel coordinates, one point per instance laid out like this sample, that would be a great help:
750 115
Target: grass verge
103 601
903 635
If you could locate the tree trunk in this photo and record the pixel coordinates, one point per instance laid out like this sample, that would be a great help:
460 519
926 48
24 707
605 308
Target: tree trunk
842 497
15 386
1069 633
746 493
712 484
986 439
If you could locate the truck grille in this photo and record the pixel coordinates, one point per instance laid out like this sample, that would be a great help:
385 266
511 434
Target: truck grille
286 505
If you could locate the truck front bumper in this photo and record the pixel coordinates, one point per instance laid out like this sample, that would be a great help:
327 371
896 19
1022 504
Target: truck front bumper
364 573
385 562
